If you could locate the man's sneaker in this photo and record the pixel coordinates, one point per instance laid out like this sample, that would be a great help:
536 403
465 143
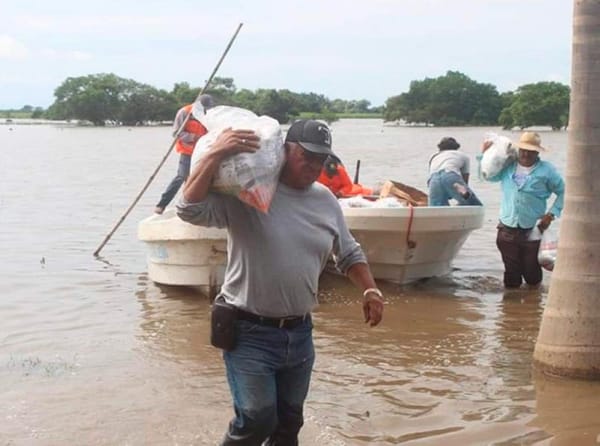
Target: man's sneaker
158 210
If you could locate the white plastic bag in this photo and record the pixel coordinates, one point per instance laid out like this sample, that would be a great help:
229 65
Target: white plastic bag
355 202
497 156
252 177
548 248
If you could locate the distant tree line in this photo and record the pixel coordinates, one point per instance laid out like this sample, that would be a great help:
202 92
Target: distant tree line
101 98
456 100
450 100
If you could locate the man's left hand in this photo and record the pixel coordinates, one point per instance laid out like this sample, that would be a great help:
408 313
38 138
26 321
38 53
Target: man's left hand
373 309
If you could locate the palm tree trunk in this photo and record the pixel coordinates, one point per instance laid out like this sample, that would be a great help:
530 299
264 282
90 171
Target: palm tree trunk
569 340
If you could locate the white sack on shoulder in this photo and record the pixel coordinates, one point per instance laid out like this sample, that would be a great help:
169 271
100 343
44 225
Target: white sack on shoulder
252 177
500 154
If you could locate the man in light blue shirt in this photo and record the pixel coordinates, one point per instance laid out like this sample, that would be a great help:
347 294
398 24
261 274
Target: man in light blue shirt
526 186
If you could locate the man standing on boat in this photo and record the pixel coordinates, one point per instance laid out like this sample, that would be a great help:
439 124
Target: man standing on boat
185 144
449 176
272 277
526 184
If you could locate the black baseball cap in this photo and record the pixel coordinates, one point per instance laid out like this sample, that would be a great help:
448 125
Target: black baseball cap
312 135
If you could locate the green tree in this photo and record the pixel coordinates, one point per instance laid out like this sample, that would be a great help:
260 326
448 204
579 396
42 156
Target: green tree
542 103
99 98
452 99
95 98
245 99
271 103
184 94
143 103
37 113
312 102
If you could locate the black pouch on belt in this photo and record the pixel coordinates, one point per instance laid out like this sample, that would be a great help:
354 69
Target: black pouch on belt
222 324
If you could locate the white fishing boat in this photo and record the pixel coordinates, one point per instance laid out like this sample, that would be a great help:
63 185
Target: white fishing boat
406 244
402 244
179 253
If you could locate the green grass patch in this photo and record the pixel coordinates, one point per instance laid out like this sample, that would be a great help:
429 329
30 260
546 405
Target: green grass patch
10 114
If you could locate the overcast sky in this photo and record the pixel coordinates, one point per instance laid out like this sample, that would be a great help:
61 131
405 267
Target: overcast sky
369 49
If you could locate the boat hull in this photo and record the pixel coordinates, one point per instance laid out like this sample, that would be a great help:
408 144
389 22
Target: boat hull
403 245
179 253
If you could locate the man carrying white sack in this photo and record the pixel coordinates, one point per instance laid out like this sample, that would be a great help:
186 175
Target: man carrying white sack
526 184
262 318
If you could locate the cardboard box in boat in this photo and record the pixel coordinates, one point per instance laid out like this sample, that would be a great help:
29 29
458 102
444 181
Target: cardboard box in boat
404 192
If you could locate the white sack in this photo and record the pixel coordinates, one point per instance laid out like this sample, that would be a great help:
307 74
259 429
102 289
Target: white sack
252 177
500 154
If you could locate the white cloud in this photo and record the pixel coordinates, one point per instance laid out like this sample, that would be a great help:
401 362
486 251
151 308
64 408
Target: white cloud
10 48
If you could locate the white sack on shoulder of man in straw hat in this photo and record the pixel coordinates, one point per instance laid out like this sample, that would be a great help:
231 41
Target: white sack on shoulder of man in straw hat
501 153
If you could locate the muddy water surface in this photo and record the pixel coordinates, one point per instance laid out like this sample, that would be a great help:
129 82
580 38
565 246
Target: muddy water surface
93 353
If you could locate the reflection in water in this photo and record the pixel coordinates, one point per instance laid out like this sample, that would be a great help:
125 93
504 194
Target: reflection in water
438 367
566 411
517 325
175 325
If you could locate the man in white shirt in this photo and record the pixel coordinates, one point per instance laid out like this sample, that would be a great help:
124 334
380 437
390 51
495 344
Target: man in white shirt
449 176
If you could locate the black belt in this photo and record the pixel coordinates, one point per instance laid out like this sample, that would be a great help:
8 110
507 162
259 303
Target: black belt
511 229
277 322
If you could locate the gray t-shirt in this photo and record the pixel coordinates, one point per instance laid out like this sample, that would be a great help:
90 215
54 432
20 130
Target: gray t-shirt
450 161
274 260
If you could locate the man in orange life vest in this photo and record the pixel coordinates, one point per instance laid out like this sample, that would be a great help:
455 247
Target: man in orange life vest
336 178
186 142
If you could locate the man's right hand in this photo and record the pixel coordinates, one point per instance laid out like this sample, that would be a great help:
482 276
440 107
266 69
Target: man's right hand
229 142
486 145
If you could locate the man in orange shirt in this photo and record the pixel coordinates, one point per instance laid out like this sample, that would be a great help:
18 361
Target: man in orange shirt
186 142
336 178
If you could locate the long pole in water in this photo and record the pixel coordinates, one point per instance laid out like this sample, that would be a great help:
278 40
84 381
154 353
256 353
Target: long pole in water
179 130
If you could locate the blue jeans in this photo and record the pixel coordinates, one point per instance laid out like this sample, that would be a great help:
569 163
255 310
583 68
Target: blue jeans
183 171
268 373
444 186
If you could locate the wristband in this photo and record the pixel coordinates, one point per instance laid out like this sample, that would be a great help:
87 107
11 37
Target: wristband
373 290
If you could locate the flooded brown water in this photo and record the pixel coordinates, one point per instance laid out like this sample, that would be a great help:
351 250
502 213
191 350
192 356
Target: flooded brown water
93 353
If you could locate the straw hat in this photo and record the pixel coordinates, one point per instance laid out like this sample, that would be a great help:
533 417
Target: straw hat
531 141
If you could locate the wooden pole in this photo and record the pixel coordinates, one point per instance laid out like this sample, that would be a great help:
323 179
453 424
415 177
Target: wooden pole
357 172
179 130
